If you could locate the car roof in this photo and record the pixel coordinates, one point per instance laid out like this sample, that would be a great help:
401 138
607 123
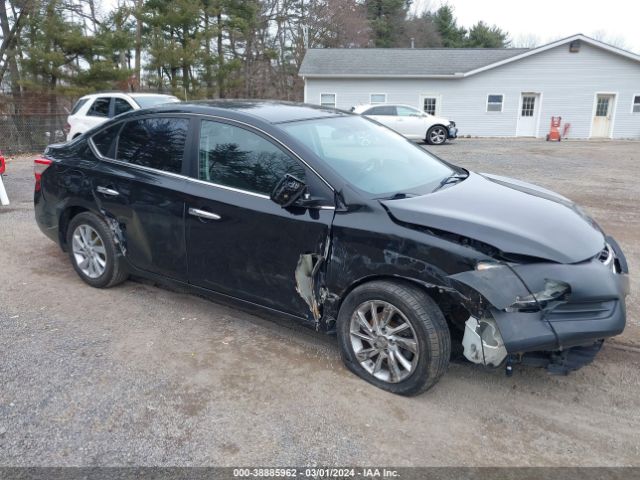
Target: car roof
268 111
126 94
366 106
148 94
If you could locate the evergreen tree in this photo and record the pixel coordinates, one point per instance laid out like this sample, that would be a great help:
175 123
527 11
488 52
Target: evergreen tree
482 35
451 35
387 18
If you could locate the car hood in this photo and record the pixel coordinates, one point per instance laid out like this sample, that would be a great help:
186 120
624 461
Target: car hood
513 216
433 119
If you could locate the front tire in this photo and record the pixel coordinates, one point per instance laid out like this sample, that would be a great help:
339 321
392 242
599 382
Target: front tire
394 336
93 251
436 135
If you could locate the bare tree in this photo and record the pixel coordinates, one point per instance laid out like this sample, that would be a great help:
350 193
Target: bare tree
526 40
611 39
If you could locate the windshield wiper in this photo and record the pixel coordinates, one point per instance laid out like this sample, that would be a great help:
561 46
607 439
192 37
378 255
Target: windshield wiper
453 178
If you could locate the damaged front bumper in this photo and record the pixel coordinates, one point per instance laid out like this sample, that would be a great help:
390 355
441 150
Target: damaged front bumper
593 308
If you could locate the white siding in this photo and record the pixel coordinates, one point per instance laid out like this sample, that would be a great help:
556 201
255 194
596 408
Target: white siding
566 81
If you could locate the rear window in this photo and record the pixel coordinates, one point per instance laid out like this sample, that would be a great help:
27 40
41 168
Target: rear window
79 105
146 101
154 142
381 111
104 140
121 106
100 107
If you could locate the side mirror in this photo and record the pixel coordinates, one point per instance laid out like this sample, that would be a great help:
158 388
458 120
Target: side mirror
288 190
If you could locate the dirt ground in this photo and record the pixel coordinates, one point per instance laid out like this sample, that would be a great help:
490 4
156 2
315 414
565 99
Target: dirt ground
139 375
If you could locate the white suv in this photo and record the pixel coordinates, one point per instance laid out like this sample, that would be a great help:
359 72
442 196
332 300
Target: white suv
92 110
410 122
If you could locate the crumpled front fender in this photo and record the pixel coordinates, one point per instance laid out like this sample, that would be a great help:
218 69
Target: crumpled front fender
594 309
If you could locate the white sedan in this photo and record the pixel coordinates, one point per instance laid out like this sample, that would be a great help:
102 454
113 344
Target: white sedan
95 109
410 122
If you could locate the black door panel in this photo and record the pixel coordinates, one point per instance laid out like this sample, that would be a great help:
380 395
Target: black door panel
149 206
252 250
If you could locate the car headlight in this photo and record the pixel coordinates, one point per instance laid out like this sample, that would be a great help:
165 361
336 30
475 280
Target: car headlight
553 290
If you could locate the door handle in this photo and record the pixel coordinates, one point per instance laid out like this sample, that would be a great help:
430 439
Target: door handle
107 191
204 214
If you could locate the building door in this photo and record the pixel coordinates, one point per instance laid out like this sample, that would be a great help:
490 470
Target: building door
602 117
528 115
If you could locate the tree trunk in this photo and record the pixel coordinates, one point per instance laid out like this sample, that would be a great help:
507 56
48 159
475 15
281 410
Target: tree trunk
221 87
9 41
207 58
138 43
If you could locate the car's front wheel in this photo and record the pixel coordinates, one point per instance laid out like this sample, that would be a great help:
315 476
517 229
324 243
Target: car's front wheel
436 135
394 336
93 251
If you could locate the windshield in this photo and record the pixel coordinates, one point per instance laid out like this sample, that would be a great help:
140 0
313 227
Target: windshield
146 101
369 156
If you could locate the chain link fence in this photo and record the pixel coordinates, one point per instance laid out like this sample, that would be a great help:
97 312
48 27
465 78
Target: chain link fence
30 122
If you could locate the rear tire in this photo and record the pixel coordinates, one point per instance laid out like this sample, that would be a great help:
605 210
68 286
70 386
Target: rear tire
427 332
93 251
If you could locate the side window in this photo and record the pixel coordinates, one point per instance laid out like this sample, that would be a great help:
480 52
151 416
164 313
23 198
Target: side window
78 105
407 112
100 107
235 157
105 140
121 106
154 142
381 111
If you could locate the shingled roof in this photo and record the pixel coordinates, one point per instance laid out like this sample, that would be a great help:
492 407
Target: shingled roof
397 62
426 62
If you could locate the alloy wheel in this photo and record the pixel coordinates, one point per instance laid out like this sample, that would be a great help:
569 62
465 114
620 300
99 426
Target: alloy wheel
437 135
88 251
384 341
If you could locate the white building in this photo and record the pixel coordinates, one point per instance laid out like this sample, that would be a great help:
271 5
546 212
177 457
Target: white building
490 92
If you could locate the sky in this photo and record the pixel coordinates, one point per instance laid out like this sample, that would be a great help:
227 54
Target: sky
612 21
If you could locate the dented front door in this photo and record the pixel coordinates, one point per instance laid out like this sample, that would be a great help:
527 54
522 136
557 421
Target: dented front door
241 243
248 247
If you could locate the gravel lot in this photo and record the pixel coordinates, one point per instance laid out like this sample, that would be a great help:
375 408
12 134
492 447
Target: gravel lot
140 375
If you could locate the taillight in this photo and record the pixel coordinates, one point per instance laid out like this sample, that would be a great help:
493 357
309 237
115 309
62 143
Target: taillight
39 166
66 128
2 164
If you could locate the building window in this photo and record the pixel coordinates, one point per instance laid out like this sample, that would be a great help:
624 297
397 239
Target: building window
636 104
429 105
328 100
528 105
494 103
376 98
602 106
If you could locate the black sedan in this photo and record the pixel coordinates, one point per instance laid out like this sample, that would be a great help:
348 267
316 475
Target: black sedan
332 219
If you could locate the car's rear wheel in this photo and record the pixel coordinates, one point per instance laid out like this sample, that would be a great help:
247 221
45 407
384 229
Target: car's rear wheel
394 336
93 251
436 135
